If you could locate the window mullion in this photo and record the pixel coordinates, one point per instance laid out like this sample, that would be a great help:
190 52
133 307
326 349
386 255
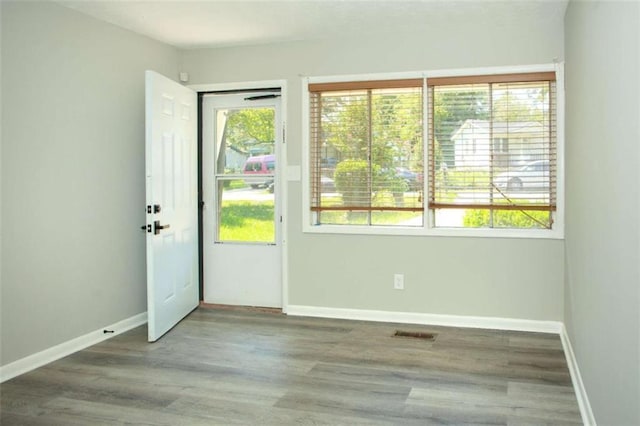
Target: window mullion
552 147
370 153
318 159
492 154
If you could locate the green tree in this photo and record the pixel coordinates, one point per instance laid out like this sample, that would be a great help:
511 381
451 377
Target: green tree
382 126
520 103
345 124
397 129
248 127
243 129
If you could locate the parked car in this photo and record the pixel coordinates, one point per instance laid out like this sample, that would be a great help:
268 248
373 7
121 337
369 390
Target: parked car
328 163
533 175
327 184
260 165
411 178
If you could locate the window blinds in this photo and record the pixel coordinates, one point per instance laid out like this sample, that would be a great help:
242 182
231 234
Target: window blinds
492 144
366 150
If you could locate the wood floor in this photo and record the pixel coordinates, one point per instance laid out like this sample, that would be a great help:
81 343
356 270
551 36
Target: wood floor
237 367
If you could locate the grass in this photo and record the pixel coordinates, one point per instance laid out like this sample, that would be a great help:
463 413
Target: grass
362 218
247 221
463 180
382 199
253 221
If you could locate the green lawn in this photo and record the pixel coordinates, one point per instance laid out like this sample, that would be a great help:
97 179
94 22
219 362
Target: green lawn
382 199
253 221
361 218
247 221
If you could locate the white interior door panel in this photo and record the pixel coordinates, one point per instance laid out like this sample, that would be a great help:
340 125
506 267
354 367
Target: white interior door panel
172 203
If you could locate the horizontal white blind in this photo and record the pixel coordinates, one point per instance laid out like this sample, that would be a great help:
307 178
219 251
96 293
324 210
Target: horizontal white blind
492 145
366 149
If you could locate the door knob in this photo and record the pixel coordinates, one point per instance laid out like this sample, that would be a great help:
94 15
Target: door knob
157 227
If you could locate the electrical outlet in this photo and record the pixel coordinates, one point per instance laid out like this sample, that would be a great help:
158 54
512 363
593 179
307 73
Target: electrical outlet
398 282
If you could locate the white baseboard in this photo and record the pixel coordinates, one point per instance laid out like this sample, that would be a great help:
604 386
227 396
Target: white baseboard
581 393
428 319
54 353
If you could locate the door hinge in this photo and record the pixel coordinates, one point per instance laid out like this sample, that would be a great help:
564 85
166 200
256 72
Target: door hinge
284 133
280 219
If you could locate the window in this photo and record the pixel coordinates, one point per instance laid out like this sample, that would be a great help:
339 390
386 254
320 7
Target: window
509 179
366 153
446 154
500 145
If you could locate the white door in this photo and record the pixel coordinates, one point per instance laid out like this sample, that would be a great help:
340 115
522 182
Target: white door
242 135
172 203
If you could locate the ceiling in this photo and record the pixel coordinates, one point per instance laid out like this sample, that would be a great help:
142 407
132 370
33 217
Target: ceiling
217 23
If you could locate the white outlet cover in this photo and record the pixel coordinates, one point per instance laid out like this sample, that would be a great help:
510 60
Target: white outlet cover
398 281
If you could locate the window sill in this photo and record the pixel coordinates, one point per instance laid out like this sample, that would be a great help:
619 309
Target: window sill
434 232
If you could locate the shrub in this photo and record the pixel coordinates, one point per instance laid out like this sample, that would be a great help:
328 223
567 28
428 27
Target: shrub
352 181
391 182
505 219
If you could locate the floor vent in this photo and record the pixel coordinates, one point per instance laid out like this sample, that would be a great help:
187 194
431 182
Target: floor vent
415 335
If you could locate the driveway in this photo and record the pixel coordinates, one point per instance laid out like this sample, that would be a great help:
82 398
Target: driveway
248 194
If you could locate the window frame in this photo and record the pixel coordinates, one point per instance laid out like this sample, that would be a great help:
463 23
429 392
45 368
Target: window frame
427 229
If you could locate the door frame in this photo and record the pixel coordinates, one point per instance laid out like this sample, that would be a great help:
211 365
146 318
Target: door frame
281 171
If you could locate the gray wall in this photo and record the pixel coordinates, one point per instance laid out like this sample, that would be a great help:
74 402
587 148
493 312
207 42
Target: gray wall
72 174
602 298
0 185
513 278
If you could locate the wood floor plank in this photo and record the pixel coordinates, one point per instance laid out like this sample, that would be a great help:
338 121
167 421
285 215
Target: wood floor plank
242 367
536 341
413 377
49 382
247 413
99 413
13 419
448 414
